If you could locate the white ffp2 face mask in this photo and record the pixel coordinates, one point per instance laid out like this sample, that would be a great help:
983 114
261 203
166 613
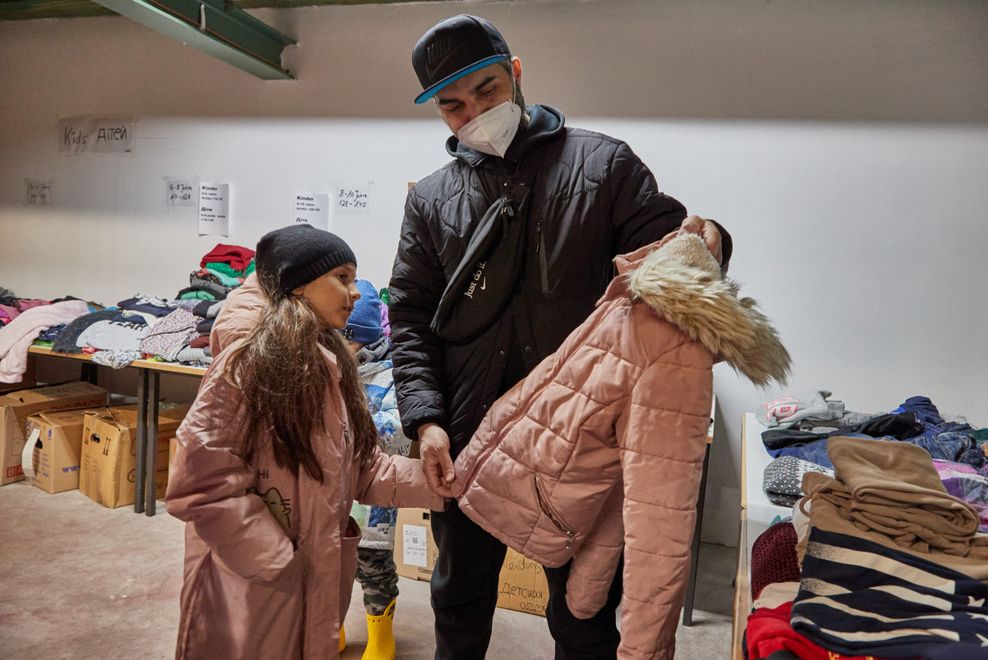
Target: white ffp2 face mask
492 132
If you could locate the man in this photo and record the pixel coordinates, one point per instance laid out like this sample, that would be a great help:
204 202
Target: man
503 252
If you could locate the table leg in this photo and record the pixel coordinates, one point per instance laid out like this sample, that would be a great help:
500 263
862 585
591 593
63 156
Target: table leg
151 457
89 373
142 410
695 546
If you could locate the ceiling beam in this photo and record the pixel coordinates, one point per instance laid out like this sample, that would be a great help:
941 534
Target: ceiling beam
14 10
229 34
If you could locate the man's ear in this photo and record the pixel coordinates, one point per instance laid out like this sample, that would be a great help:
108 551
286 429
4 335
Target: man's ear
516 68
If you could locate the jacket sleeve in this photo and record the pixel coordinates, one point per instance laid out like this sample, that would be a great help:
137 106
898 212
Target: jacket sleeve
596 562
417 284
395 481
207 488
641 214
661 439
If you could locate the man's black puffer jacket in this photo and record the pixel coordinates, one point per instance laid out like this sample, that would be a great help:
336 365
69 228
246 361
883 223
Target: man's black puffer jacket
583 198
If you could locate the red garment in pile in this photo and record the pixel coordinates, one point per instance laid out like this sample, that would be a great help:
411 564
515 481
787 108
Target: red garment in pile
769 632
237 256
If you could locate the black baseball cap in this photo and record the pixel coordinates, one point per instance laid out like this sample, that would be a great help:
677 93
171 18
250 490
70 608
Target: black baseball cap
455 47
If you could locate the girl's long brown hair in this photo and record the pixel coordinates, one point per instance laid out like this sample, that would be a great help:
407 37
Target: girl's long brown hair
284 379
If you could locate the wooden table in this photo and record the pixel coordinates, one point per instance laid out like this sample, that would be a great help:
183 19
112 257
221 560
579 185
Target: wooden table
149 373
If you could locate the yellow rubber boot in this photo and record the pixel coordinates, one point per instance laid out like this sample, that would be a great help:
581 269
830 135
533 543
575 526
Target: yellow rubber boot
380 635
342 639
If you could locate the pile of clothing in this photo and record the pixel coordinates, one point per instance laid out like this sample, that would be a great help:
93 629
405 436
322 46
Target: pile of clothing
221 270
11 306
802 428
24 320
880 560
140 327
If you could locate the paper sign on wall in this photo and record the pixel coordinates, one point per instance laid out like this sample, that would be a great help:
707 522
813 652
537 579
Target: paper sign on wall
353 197
180 191
214 209
40 192
414 548
312 209
96 134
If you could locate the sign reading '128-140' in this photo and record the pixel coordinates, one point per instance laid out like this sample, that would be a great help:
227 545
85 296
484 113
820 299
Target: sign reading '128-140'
96 133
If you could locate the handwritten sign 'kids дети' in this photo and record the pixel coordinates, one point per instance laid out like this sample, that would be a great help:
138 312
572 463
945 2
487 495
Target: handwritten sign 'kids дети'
96 134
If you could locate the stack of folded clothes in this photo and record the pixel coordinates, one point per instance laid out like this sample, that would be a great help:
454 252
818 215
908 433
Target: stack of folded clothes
221 270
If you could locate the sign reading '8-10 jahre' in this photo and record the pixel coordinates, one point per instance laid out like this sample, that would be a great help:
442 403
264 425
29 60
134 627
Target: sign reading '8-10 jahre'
96 134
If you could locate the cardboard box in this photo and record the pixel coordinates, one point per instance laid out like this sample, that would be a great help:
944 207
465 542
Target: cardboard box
522 585
16 407
415 549
56 438
109 453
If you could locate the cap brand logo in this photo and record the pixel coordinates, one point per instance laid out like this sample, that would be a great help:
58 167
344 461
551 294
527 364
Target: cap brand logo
438 54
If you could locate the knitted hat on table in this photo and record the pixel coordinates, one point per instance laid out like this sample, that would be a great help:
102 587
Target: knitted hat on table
298 254
364 326
773 557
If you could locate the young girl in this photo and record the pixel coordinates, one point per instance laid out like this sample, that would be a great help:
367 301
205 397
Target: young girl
276 447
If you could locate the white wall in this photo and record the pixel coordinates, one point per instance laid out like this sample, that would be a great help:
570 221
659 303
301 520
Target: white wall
844 144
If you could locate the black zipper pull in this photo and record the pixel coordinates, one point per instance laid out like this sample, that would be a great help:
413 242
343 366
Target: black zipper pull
538 237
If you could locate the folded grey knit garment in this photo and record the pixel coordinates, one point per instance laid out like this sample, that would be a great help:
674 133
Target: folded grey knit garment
783 479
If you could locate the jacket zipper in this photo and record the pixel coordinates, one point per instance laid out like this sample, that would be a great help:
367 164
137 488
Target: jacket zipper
550 512
540 250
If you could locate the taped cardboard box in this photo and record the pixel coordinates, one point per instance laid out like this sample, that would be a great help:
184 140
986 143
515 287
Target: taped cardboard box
109 453
522 585
55 439
415 549
16 407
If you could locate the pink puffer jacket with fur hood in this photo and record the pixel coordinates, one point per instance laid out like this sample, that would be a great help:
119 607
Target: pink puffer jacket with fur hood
599 451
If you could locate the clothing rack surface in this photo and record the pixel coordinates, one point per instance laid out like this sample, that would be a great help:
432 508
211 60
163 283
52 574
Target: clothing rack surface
148 399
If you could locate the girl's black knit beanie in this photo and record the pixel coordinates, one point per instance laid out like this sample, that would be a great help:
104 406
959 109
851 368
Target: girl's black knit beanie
298 254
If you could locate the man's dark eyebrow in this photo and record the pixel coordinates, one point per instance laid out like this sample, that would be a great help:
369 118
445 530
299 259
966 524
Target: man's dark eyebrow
476 89
482 83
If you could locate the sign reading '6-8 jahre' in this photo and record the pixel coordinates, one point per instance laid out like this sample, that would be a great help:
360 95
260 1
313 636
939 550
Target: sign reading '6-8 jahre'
96 134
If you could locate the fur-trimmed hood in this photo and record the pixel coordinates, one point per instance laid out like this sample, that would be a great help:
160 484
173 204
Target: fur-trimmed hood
683 283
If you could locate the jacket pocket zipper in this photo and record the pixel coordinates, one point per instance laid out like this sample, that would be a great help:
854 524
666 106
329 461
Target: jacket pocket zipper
540 250
550 513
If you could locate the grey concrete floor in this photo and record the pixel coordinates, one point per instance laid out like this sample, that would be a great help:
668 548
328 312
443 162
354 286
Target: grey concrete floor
83 581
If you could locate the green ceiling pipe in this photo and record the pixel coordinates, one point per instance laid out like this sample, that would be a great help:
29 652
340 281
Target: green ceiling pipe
214 27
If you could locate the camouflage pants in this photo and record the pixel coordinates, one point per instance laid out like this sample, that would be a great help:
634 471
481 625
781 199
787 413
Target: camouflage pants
379 578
